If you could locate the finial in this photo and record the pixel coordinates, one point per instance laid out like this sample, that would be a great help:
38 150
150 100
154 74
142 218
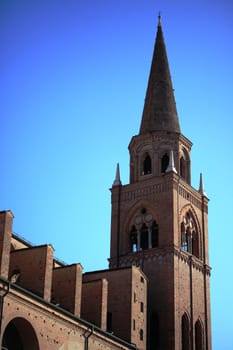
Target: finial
159 19
171 165
201 186
117 181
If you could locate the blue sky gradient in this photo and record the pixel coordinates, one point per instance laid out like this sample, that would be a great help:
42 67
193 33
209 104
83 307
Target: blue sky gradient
73 80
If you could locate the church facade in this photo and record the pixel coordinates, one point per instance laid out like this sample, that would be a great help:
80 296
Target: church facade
156 293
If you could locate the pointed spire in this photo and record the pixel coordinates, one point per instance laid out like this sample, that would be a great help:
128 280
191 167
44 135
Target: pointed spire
159 112
171 165
117 181
201 186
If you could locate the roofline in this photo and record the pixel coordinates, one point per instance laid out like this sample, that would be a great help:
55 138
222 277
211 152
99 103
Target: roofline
67 313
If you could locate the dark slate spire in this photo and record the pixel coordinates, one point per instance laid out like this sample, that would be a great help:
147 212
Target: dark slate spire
159 112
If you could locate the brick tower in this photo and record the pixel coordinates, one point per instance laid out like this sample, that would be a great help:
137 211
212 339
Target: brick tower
160 222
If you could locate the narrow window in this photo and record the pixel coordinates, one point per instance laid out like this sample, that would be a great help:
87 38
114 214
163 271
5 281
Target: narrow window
185 329
144 237
146 165
134 325
195 244
141 334
134 297
164 163
198 336
133 239
155 235
142 279
142 307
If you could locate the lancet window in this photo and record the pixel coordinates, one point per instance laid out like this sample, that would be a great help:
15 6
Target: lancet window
185 332
199 343
144 233
189 235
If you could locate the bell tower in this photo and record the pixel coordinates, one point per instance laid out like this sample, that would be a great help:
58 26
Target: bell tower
160 222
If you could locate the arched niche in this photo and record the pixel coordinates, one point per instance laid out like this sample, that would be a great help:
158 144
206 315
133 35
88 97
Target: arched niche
19 335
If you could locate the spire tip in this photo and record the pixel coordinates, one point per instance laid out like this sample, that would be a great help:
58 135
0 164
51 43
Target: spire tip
159 19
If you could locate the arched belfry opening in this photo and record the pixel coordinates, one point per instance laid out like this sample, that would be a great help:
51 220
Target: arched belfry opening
185 165
164 163
146 165
144 232
19 335
190 241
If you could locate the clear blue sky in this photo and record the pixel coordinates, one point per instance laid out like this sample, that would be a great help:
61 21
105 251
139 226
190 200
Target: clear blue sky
73 81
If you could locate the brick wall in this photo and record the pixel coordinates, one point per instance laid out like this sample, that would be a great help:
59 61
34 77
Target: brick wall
67 287
34 266
6 219
94 302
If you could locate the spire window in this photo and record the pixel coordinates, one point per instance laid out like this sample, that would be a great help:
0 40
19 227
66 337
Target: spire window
164 163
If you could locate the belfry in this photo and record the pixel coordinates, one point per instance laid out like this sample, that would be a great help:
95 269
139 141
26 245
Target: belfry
159 222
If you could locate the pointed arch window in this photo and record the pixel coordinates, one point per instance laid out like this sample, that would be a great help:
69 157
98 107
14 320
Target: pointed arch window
164 163
199 339
146 166
189 235
185 332
145 236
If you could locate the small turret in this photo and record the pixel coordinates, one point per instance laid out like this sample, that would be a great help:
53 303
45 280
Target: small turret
117 181
171 165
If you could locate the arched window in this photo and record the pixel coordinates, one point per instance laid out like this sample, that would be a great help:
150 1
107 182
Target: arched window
185 165
164 163
144 233
146 167
182 167
189 235
199 343
185 332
